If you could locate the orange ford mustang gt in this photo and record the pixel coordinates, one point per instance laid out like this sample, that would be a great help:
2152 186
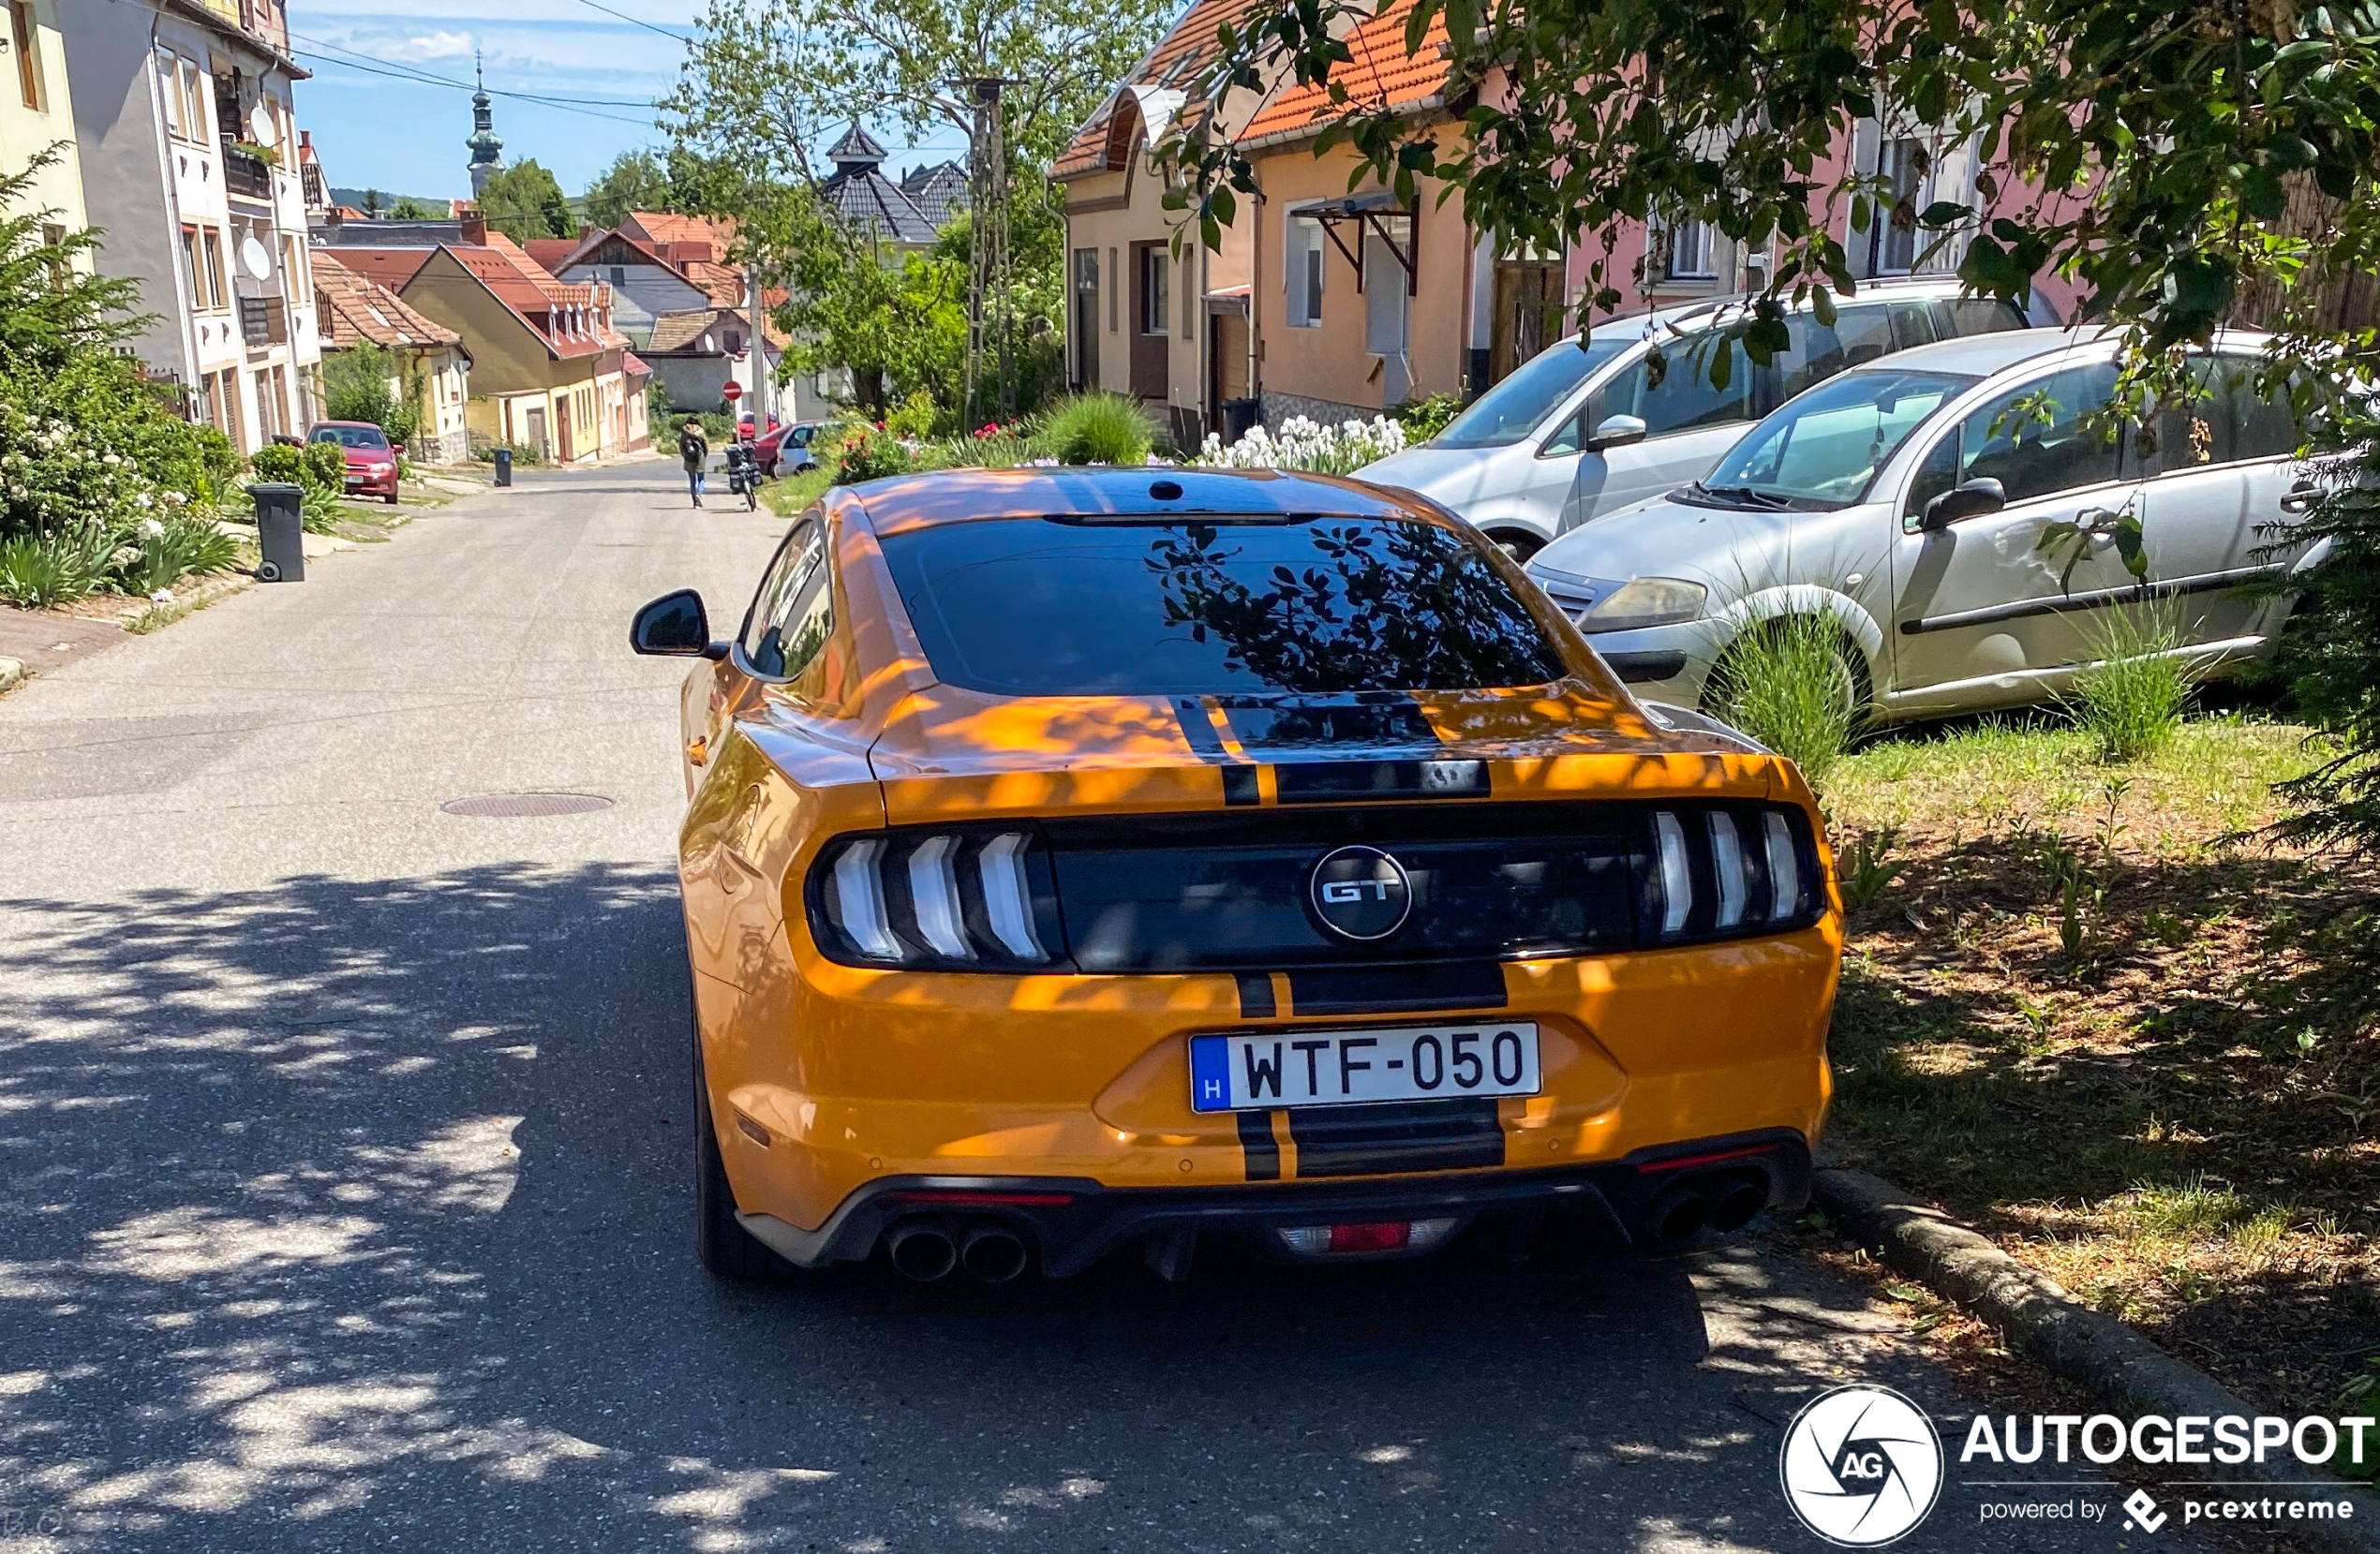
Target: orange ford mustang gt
1089 860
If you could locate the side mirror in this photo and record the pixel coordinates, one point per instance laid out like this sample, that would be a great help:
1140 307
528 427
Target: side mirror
674 625
1978 495
1616 432
397 448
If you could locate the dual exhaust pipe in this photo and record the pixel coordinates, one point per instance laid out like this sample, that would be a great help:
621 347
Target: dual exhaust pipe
1721 1201
928 1250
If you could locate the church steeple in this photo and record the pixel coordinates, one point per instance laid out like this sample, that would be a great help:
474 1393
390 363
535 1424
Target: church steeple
486 150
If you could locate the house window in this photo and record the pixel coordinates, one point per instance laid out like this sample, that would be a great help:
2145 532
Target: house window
1690 252
1891 232
210 289
292 272
1301 271
1155 291
21 39
619 275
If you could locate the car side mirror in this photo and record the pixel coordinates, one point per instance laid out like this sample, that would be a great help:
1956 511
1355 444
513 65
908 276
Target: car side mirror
1978 495
1616 432
674 625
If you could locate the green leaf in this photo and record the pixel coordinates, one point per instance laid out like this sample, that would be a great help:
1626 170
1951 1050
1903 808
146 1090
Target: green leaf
1822 305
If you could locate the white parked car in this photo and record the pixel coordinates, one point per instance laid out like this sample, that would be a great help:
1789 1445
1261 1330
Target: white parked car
1628 411
1907 499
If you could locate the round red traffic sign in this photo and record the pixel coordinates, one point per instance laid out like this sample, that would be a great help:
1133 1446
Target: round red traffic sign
733 389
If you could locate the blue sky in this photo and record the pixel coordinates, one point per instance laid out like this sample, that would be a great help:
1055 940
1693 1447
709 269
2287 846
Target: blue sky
406 137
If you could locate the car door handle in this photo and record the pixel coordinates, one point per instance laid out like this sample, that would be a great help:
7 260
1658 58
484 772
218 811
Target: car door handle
2301 497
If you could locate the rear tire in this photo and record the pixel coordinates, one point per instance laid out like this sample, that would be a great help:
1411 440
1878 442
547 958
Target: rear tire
726 1247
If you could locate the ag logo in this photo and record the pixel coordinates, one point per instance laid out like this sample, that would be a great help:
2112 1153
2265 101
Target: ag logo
1861 1466
1360 892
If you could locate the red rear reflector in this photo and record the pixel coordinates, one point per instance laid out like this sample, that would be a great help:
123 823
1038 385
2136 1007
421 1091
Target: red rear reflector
1388 1235
1027 1199
1706 1159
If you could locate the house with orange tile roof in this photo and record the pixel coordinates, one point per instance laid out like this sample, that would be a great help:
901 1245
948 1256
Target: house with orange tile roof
427 365
1173 328
549 365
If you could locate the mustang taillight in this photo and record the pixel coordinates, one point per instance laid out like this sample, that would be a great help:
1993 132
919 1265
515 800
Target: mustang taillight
944 899
1727 869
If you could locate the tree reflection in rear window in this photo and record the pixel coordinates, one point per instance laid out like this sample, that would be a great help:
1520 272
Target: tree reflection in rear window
1051 607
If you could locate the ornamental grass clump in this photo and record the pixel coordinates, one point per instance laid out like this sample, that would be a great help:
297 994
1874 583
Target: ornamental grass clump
2131 698
1791 684
1097 428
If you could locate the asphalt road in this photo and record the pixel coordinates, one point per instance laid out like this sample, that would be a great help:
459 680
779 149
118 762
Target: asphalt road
347 1194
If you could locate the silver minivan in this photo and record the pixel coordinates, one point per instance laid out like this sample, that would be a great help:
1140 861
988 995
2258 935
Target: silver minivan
1908 500
1629 410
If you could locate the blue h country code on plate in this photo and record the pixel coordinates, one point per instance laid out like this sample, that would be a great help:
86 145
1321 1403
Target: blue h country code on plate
1348 1067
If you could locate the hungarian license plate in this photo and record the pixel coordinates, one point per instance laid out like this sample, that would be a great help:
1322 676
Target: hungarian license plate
1348 1067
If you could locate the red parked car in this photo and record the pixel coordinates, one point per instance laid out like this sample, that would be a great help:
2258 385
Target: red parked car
371 461
786 449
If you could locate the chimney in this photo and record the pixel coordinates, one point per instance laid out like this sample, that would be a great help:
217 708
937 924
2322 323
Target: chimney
475 229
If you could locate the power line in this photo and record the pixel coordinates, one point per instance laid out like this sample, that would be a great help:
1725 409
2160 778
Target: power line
373 65
638 21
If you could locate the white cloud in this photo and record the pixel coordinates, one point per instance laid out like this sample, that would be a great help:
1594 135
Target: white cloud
438 45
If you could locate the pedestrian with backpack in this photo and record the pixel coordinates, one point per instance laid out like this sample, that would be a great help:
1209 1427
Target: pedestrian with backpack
694 449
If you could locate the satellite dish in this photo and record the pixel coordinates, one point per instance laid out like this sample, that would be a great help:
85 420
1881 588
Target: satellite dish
255 259
262 129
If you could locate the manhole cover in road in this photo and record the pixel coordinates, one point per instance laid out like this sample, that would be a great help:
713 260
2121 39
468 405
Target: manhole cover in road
511 806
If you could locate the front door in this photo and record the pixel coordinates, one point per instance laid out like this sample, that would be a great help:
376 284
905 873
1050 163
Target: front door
537 430
1981 613
1086 318
1151 290
1226 363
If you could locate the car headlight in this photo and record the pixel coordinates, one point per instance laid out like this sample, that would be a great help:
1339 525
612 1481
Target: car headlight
1646 601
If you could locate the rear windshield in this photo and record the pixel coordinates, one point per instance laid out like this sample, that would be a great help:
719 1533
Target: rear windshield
1046 607
351 437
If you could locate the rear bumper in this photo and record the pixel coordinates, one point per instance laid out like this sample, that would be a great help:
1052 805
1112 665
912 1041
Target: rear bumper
1072 1223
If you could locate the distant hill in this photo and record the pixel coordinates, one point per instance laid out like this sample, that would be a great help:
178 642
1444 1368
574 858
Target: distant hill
343 196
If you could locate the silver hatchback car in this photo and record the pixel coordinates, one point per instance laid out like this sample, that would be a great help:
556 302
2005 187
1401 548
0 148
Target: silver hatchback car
1588 426
1908 498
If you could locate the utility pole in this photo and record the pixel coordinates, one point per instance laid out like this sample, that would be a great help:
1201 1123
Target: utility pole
991 310
763 389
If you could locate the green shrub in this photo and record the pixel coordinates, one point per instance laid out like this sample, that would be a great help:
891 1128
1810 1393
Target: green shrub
1423 418
2131 698
53 567
857 452
1794 685
913 420
325 466
281 464
1097 427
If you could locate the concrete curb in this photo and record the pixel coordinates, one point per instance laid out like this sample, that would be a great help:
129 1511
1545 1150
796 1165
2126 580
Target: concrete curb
2119 1368
12 675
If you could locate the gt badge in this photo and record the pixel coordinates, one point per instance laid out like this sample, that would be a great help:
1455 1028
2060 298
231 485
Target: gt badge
1360 892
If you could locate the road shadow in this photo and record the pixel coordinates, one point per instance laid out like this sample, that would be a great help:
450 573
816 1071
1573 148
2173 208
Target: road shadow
347 1214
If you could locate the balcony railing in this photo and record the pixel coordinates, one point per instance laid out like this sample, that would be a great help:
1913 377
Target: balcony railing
264 321
246 173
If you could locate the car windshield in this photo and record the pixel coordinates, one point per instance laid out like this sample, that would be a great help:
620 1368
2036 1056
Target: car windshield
1823 448
1090 607
351 437
1514 408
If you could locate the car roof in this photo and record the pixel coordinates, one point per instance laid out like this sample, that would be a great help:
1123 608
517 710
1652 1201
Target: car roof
901 502
319 424
1982 355
1630 326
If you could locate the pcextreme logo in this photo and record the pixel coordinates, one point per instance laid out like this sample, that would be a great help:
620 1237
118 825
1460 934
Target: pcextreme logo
1861 1466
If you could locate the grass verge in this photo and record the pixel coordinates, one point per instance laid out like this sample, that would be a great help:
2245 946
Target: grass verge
2082 1013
